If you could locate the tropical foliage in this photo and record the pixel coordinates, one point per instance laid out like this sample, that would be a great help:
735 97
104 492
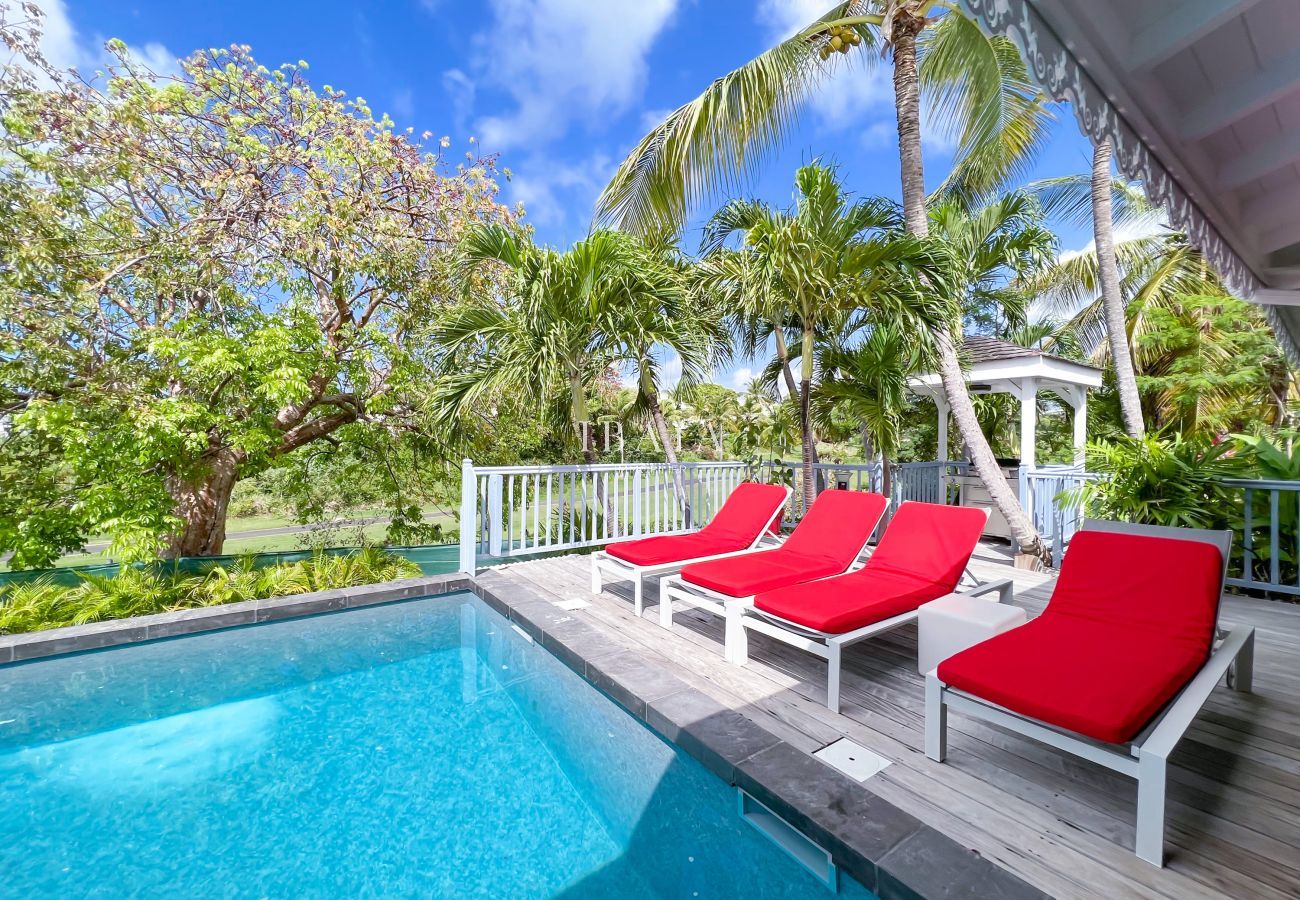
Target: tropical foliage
137 591
1174 481
203 274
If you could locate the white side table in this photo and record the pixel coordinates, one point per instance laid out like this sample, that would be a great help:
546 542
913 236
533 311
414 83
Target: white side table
953 623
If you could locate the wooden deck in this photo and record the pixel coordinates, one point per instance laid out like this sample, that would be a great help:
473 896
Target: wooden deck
1064 825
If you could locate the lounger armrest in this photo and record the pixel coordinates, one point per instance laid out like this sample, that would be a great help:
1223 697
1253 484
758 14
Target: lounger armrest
1169 730
1003 586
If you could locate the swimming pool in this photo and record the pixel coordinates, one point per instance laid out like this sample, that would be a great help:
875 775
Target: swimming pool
422 748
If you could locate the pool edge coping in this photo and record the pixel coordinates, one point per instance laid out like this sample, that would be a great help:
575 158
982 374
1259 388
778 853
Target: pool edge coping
889 851
34 645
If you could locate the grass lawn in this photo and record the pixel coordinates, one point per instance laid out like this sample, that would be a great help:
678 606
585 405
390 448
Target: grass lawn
235 545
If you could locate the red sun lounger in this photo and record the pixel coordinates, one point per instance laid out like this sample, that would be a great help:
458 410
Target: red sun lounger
751 512
922 557
1117 666
828 541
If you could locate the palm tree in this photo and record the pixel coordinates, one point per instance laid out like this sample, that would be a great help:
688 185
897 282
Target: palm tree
816 260
720 138
658 305
544 340
869 381
1186 333
1108 199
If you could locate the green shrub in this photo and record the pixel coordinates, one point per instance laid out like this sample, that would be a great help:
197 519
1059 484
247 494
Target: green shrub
1160 480
39 604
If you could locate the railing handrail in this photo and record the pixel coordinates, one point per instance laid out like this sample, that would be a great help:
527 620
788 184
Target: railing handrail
1262 483
605 467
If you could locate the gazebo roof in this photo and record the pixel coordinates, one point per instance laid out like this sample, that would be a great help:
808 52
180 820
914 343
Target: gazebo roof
1000 367
1201 101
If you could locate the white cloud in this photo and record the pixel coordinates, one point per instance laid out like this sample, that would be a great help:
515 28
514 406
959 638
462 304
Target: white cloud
741 378
460 88
548 187
564 61
670 371
403 104
64 48
1144 228
652 117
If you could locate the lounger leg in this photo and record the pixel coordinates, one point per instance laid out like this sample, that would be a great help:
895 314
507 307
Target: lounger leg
735 637
936 719
1151 808
1241 675
596 584
834 653
636 595
665 605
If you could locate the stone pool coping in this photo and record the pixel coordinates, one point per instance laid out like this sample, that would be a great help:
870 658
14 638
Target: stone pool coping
116 632
887 850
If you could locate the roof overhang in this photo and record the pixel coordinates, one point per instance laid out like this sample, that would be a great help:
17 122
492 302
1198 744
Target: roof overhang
1002 376
1201 101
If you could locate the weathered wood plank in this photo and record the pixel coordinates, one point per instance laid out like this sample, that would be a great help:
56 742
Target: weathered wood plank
1060 823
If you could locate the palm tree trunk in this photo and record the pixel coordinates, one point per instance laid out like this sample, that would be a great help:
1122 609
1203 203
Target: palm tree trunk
907 98
1130 403
807 438
660 426
578 408
886 479
783 354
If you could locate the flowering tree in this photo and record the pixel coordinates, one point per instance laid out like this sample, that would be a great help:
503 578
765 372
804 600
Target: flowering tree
201 274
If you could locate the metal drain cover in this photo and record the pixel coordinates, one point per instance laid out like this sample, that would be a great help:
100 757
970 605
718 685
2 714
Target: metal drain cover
572 605
852 759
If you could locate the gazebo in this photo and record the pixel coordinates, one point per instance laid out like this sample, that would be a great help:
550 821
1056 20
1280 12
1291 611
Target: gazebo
999 367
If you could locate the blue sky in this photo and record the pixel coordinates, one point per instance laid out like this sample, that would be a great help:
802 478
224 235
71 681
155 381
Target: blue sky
560 89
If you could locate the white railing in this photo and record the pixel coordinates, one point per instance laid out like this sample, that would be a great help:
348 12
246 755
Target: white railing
523 510
511 511
1055 519
1266 530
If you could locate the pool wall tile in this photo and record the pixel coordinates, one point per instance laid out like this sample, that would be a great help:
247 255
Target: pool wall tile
719 737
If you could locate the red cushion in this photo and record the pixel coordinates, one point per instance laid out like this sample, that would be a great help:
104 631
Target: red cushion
1129 624
837 605
747 509
671 548
744 576
929 542
921 557
837 526
826 542
736 526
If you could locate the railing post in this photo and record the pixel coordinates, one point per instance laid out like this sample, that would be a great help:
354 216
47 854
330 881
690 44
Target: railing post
638 525
493 513
468 517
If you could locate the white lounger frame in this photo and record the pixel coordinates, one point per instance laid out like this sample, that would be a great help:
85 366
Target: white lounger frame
1146 758
830 647
622 569
729 607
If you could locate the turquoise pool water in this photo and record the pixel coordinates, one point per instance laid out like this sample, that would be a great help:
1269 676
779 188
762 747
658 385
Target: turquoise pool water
415 749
